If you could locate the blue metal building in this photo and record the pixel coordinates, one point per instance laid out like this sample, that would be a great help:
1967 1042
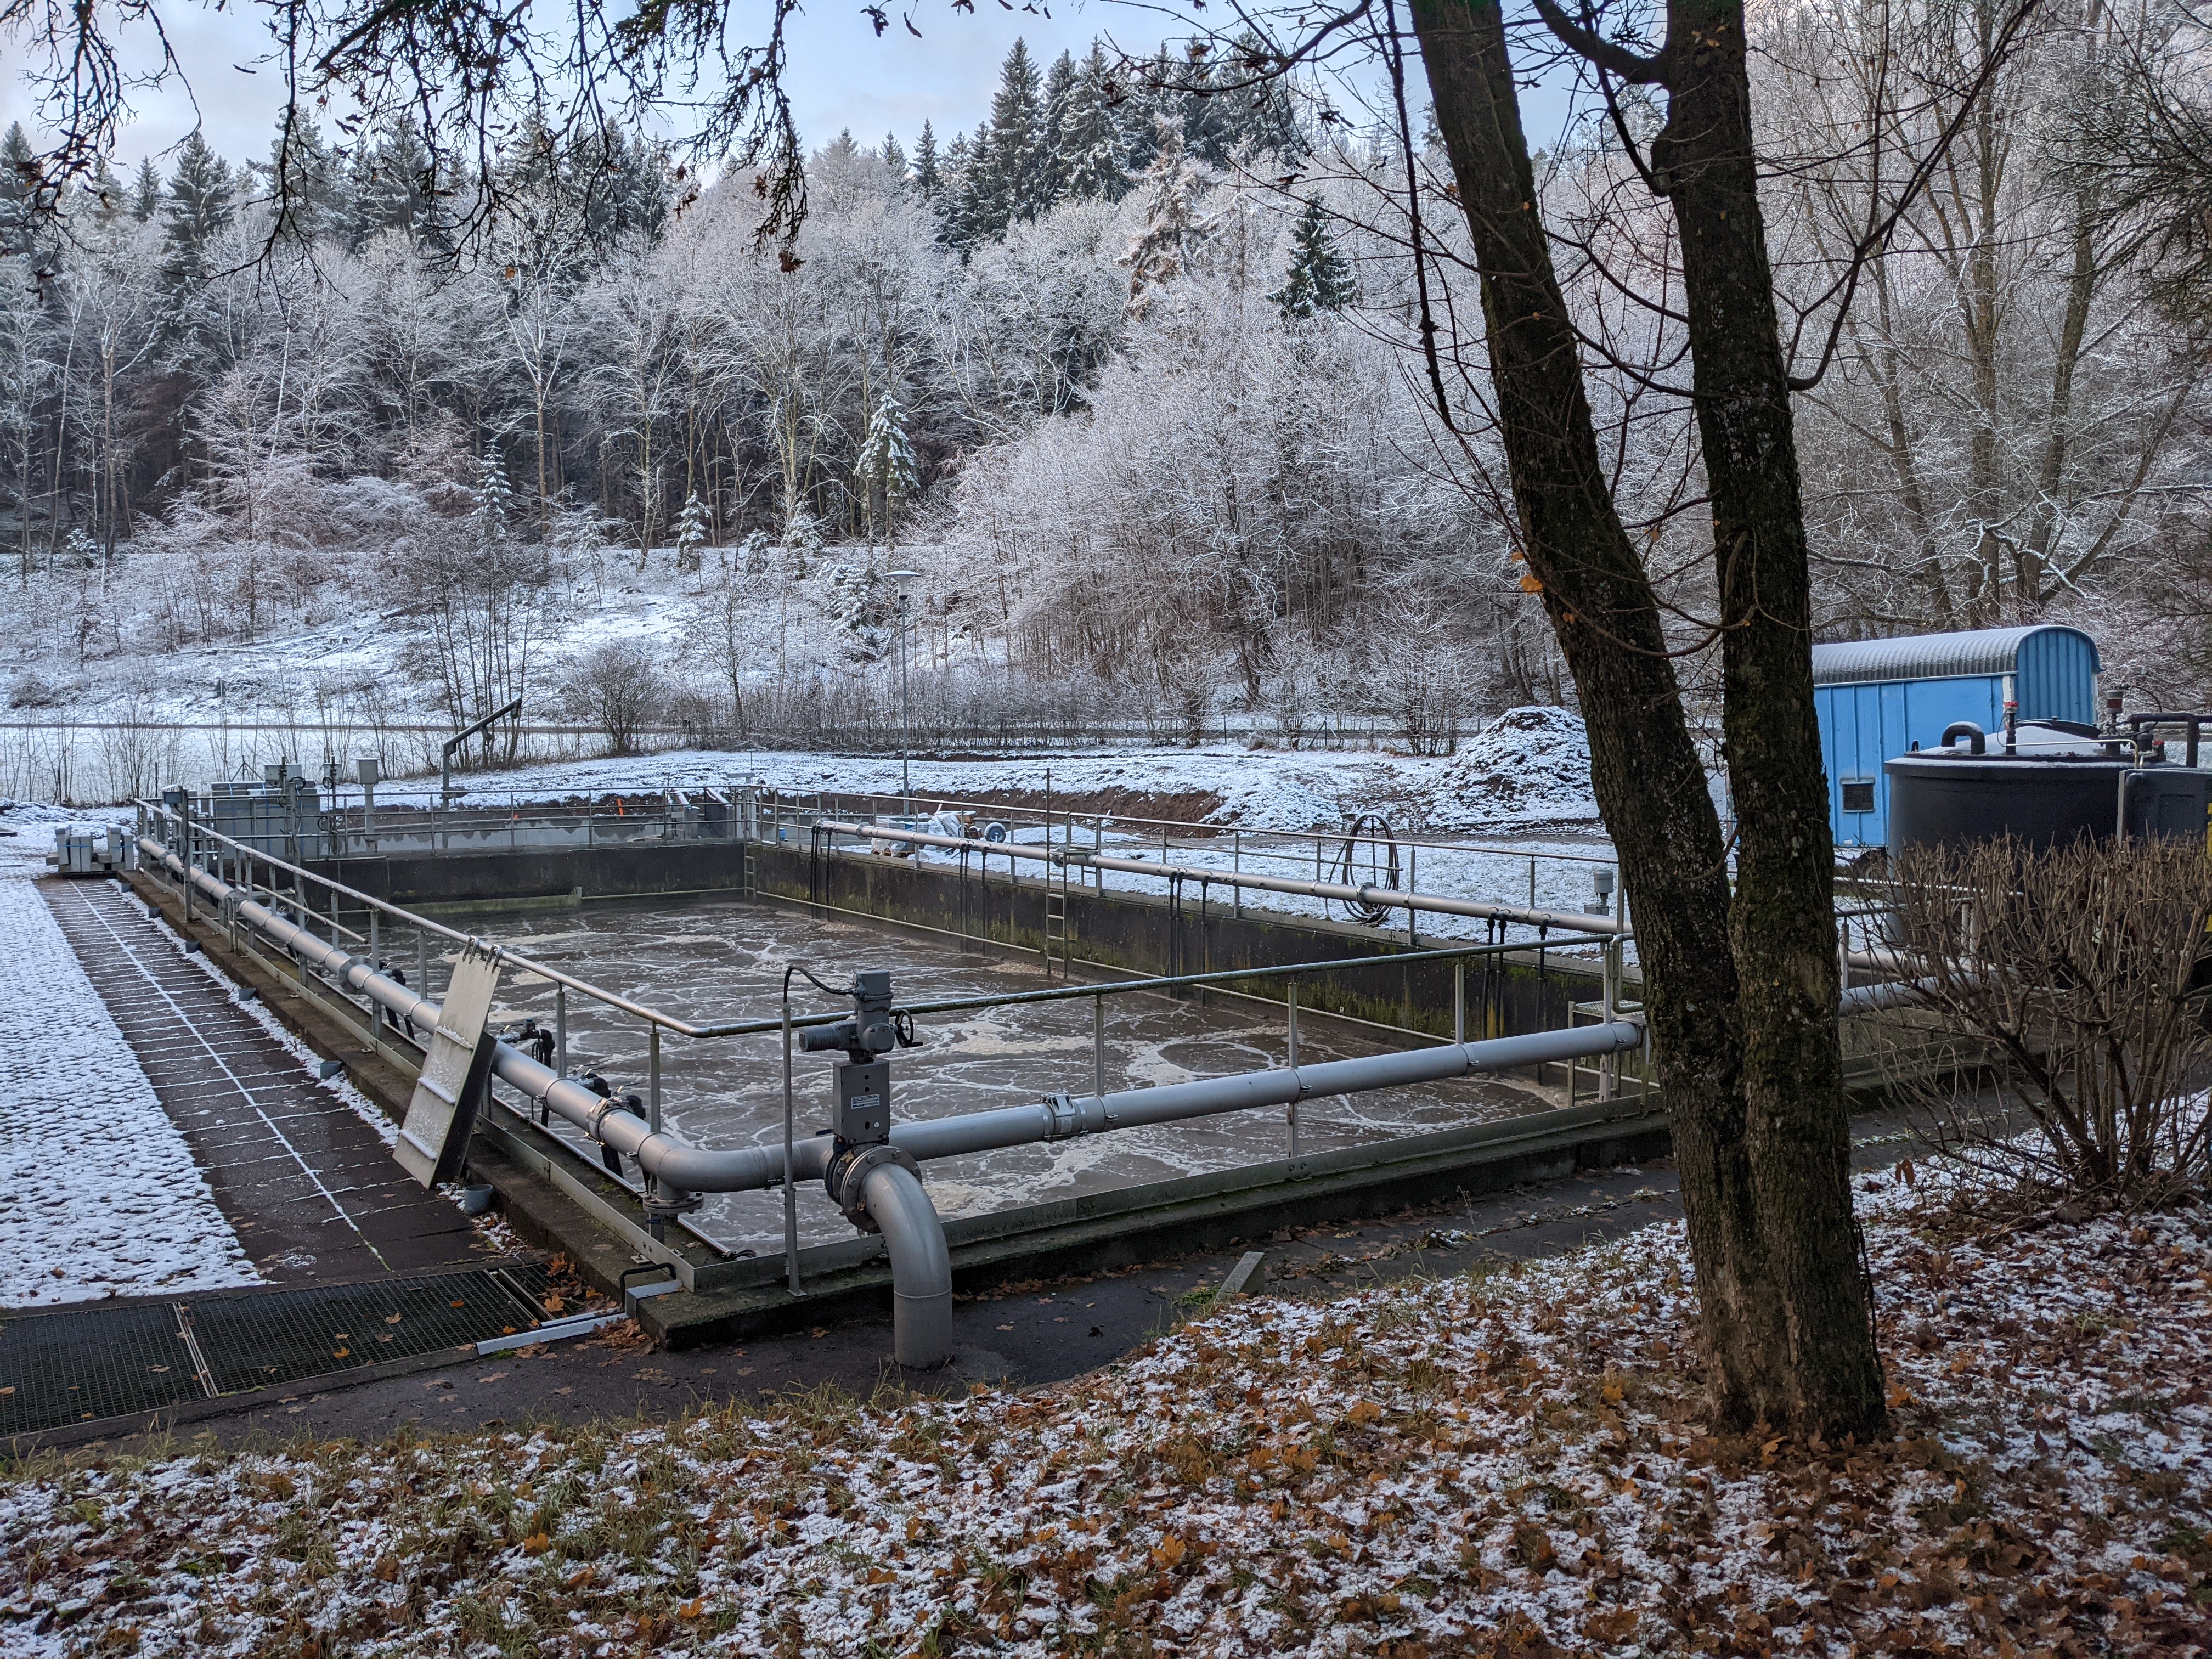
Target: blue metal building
1880 698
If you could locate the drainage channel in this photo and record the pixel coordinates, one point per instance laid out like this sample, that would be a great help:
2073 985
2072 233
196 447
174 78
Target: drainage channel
81 1366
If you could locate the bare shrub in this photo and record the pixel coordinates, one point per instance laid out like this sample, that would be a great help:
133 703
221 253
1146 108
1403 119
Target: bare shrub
617 688
2073 980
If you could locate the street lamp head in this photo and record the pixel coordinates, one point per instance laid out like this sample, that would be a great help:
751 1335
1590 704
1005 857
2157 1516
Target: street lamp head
901 579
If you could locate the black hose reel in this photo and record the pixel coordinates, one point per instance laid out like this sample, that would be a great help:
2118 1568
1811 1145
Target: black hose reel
1372 830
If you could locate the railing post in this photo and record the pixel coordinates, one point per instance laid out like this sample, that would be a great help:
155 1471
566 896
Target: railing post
561 1030
1098 1047
658 1227
186 820
1290 1032
790 1196
1459 1002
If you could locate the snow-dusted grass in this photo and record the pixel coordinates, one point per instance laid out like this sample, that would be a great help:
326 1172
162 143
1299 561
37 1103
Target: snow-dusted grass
99 1193
1513 1462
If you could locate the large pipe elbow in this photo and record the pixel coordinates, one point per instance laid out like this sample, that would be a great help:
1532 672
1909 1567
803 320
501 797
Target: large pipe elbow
921 1266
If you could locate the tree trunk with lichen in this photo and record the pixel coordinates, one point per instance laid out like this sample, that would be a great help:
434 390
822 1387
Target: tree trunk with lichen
1742 1015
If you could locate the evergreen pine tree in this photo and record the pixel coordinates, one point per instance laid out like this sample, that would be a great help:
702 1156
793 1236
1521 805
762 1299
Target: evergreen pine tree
1319 278
19 175
972 201
1265 117
894 159
1209 114
495 504
395 187
1149 96
928 180
1059 92
617 187
198 205
1016 182
111 197
1175 232
1090 135
146 191
692 533
307 181
887 470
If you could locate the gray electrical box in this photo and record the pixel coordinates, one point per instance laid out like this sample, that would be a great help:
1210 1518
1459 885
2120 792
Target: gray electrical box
864 1102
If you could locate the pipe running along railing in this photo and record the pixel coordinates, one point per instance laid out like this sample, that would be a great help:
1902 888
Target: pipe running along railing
1385 898
890 1191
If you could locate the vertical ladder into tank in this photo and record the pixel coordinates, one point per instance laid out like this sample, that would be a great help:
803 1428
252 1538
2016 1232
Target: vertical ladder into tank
1057 934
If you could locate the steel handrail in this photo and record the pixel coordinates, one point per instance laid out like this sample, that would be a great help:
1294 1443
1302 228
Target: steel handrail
1339 892
762 1027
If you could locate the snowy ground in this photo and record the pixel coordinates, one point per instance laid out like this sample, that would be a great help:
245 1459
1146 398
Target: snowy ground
1529 768
1514 1461
102 1197
1518 793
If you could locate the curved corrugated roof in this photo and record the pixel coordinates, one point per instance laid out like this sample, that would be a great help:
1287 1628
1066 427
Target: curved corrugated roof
1932 656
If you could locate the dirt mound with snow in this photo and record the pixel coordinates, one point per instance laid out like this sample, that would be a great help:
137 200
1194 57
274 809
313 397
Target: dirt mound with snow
1530 765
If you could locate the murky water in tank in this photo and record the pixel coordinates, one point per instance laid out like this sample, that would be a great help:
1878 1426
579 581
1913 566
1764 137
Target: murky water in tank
714 959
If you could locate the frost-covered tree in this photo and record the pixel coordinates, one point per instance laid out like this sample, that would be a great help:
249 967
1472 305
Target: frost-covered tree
928 178
1175 231
197 205
692 533
307 185
1319 277
145 190
492 517
1089 138
886 475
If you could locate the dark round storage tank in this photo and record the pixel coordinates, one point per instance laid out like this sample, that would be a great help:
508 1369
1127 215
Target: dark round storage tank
1945 796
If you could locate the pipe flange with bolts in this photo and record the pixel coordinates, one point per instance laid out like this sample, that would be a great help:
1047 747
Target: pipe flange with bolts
847 1178
665 1204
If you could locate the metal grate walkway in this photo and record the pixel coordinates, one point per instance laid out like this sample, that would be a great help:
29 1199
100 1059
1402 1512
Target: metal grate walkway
311 1190
81 1364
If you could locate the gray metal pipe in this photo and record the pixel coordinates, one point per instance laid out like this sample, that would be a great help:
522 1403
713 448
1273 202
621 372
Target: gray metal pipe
1896 994
1389 897
1065 1117
921 1266
676 1163
914 1236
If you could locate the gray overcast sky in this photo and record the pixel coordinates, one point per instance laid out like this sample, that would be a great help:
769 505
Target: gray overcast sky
841 75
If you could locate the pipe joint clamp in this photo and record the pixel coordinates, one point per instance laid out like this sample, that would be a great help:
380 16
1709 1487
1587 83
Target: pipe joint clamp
611 1103
1066 1117
848 1176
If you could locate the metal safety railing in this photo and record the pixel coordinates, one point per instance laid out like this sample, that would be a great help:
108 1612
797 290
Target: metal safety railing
266 886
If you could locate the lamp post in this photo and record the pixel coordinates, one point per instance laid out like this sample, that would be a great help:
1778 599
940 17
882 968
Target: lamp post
901 579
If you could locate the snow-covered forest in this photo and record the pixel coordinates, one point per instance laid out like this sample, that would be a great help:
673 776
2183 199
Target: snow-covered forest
1129 374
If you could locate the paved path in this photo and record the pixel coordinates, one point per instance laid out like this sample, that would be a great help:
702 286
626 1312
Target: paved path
311 1190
